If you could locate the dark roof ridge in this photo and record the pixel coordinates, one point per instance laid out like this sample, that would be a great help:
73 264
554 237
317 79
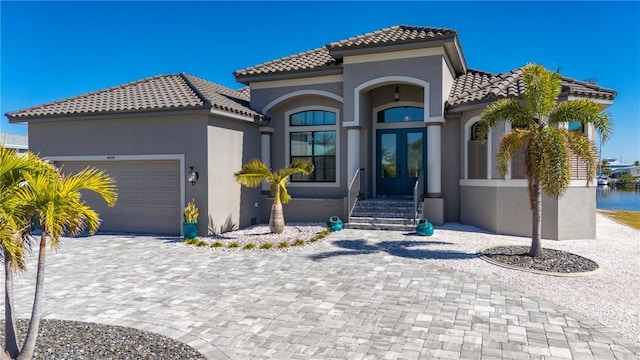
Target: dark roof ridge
194 88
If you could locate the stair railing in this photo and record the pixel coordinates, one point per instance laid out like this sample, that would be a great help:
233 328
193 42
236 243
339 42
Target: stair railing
417 194
354 191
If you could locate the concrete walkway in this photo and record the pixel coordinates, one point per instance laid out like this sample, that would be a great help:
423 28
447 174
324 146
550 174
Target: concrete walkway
318 302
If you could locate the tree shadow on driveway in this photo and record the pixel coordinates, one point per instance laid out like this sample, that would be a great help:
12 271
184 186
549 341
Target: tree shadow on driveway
401 248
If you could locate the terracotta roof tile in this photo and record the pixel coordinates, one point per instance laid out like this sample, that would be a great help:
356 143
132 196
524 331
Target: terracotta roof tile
312 59
479 86
396 34
161 92
321 58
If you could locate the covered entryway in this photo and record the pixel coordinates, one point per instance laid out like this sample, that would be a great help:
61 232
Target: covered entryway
400 155
149 198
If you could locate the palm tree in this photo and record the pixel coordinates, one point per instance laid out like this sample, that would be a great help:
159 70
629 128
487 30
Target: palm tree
14 228
547 147
255 171
55 200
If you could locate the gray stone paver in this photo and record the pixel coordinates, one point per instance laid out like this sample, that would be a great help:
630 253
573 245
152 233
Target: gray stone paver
318 302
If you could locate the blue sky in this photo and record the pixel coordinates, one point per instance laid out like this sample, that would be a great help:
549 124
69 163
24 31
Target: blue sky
53 50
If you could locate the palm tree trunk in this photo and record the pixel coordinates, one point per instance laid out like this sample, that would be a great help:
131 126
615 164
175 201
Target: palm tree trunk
276 221
536 233
34 324
10 339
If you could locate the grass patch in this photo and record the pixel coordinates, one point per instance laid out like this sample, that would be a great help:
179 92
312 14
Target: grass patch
195 242
217 244
249 246
321 235
629 218
298 242
233 245
266 246
283 244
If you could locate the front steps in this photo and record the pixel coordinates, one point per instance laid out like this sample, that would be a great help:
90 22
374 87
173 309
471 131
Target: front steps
395 214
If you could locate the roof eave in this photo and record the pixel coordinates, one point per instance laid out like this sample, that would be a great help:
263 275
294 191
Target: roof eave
285 75
105 114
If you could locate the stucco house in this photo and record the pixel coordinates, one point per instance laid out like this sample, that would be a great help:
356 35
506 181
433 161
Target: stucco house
384 115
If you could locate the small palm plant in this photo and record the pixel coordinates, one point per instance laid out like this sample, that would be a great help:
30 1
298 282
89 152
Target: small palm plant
191 212
255 171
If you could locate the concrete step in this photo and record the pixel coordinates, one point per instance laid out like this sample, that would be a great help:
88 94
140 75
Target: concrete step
381 220
387 227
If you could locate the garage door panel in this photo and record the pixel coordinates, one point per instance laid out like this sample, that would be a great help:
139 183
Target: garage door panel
148 195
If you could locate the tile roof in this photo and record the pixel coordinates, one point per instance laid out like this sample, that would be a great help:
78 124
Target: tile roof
398 34
312 59
322 58
158 93
479 86
14 141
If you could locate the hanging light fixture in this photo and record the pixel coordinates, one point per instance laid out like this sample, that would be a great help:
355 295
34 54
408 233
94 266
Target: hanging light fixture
396 95
192 177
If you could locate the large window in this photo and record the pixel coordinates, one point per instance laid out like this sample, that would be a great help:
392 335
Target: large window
312 137
401 114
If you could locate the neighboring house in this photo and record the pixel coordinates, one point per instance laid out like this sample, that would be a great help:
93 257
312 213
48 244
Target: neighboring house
378 109
15 141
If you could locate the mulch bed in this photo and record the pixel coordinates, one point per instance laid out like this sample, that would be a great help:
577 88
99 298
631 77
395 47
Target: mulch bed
554 261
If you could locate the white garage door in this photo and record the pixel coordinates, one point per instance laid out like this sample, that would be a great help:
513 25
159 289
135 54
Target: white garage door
148 195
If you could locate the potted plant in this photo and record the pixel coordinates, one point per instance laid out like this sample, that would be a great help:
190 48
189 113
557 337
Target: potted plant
190 225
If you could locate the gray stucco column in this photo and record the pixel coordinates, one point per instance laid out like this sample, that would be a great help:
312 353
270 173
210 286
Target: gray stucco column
433 208
353 152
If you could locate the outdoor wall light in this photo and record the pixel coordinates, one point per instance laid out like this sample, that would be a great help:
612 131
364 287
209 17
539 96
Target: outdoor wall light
396 95
192 177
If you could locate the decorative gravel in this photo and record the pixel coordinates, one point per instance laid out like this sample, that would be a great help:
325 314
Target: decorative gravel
73 340
555 261
260 234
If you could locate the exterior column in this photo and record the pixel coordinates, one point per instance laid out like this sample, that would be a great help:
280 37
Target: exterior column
434 204
265 150
434 159
353 152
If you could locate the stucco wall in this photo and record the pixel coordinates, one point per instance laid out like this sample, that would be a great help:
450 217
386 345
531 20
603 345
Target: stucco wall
231 144
506 210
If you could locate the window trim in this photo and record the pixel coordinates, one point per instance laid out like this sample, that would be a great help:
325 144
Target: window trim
288 129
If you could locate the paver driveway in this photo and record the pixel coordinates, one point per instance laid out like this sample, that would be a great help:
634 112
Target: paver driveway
317 302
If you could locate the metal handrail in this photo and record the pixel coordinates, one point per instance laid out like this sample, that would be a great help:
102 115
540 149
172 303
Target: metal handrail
353 190
417 193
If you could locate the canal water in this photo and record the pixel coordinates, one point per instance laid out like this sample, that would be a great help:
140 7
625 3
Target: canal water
610 197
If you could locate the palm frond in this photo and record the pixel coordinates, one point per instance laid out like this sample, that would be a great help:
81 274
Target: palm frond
252 173
554 170
585 111
509 144
91 179
502 110
542 89
300 166
584 150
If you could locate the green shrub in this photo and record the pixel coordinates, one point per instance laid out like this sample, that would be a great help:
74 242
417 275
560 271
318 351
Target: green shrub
233 245
298 242
217 244
283 244
249 246
266 246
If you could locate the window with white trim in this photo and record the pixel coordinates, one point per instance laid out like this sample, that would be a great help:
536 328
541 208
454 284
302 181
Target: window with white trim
312 137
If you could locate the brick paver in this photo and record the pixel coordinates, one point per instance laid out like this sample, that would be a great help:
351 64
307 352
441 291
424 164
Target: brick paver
318 302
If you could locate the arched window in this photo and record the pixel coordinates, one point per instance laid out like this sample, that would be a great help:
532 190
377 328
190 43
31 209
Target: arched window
476 154
312 136
401 114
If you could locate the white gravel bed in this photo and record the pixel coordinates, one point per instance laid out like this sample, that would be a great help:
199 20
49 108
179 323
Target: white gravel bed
611 296
260 234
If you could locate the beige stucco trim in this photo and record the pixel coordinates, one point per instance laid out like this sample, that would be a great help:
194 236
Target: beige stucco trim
396 55
287 147
179 157
293 94
297 82
512 183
